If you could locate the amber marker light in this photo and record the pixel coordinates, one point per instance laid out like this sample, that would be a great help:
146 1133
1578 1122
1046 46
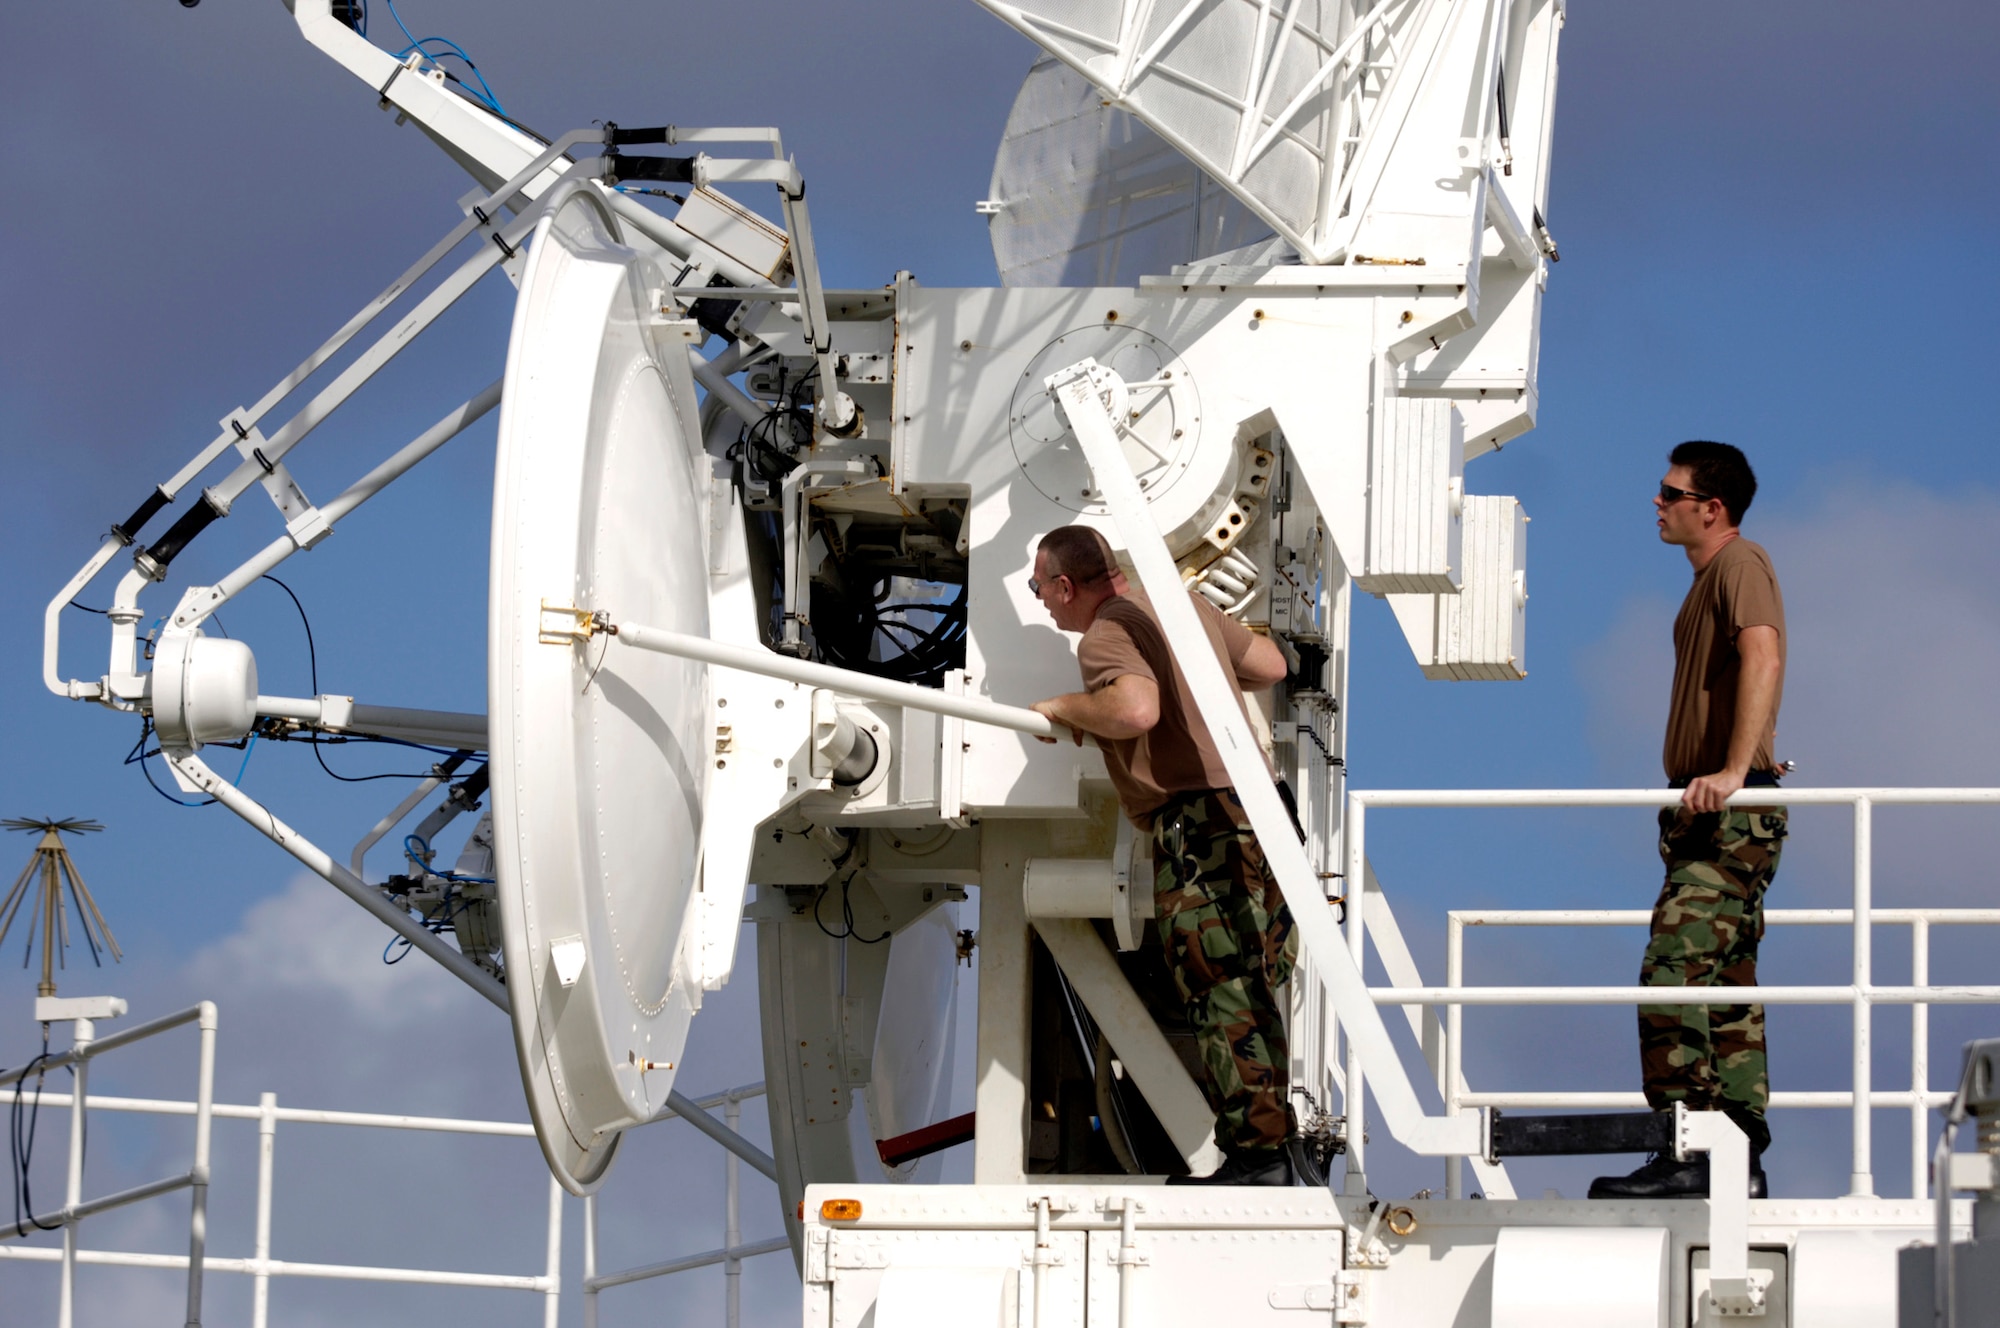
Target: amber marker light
840 1210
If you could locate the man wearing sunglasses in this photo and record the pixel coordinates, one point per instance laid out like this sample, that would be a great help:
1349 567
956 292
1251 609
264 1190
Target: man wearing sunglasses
1729 675
1228 937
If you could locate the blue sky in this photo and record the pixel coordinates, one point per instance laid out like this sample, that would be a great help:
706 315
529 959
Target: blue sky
1777 229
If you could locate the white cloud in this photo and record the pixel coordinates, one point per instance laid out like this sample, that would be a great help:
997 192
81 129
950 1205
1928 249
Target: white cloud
307 1009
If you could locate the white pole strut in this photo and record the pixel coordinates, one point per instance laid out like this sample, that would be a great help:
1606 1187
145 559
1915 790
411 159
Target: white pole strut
861 685
193 769
1077 391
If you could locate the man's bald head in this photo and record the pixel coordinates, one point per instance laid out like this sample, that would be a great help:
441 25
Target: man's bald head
1075 572
1079 553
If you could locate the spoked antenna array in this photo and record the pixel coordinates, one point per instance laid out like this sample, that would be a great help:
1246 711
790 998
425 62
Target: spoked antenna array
48 872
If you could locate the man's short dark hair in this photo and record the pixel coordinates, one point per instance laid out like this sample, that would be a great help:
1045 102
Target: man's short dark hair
1079 553
1720 471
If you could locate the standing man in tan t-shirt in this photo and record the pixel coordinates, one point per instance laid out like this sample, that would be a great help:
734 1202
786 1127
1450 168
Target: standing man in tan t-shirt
1729 675
1228 937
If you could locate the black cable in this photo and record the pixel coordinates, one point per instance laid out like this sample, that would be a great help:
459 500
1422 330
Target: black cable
312 651
102 613
312 664
836 935
139 756
21 1144
434 925
1313 735
847 931
847 914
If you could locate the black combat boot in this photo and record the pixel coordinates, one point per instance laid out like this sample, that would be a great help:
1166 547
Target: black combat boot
1759 1134
1663 1177
1262 1166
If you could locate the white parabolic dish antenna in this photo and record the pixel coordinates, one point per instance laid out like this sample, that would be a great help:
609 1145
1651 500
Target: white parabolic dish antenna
1087 195
598 772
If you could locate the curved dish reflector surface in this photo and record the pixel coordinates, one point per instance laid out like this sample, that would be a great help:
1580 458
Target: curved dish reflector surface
1274 99
1092 197
598 766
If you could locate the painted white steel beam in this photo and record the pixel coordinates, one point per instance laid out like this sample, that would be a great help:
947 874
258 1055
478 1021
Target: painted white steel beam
1142 1049
848 683
1429 1029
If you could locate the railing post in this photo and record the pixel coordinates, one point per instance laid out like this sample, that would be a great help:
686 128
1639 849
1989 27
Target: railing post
1920 1060
1354 1091
267 1143
552 1297
732 1228
1454 1056
1861 1182
82 1034
589 1261
204 1118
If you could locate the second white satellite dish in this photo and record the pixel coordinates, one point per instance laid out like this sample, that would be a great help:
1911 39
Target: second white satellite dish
598 766
1089 196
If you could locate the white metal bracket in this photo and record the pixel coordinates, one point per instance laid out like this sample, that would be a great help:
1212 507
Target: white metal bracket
278 482
1350 1286
1735 1289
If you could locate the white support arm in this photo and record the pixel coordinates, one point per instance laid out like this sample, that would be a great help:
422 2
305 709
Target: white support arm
316 524
191 768
481 141
1522 248
446 728
861 685
52 626
1077 391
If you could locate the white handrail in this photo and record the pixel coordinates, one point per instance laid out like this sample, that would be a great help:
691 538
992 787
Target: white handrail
1662 797
1860 993
85 1047
260 1266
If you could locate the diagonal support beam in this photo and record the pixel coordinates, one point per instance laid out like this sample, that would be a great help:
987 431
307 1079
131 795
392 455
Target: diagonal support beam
1401 966
1078 392
1183 1112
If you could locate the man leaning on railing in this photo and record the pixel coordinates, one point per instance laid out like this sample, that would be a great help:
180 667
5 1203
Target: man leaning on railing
1729 676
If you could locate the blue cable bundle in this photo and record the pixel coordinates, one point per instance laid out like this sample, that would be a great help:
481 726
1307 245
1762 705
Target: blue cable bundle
450 50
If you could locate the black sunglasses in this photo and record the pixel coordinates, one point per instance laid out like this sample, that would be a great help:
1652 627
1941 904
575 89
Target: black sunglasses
1669 494
1035 586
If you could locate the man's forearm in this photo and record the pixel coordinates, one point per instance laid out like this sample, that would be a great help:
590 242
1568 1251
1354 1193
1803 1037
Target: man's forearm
1110 712
1756 698
1760 670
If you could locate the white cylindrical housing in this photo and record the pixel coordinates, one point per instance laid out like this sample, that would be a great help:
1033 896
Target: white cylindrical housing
204 689
1072 888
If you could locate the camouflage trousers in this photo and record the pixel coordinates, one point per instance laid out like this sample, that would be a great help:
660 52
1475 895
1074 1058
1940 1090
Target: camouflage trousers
1706 926
1230 946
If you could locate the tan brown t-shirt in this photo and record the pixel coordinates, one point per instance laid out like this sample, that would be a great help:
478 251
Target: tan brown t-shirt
1736 590
1178 755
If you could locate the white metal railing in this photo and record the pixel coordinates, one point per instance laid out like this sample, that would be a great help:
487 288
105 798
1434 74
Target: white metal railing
1860 993
86 1046
261 1267
730 1256
1918 1098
